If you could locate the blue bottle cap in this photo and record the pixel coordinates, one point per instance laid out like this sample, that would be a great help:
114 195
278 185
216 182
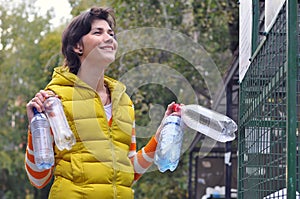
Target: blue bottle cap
35 111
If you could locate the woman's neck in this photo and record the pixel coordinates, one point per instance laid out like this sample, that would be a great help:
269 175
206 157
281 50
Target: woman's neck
92 73
93 76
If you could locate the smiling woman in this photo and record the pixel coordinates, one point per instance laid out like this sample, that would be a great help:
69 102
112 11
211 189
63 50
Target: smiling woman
61 8
104 161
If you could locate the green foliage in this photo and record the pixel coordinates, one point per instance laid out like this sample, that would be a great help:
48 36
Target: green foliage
50 55
21 75
82 5
217 23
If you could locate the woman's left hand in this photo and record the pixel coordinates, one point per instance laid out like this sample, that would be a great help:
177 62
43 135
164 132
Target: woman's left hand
169 111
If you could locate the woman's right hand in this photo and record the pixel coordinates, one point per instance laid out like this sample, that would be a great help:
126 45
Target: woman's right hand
38 102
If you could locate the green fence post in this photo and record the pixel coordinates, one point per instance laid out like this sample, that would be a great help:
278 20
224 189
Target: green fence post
291 122
255 25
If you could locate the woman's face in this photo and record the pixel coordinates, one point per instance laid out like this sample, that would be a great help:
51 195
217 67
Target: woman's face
99 45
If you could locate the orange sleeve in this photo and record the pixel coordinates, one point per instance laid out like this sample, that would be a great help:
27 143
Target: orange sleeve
142 159
37 177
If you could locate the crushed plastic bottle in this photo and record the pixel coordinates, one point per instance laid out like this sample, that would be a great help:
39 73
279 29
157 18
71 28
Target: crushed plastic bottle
63 136
208 122
42 141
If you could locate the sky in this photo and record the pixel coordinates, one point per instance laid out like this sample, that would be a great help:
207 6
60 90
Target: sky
61 8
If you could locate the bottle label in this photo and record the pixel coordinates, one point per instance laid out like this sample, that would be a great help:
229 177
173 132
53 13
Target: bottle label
176 123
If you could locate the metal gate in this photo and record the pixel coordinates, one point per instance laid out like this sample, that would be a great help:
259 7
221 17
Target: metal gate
268 165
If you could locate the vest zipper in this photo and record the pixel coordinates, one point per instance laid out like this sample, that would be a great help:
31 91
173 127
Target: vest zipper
113 164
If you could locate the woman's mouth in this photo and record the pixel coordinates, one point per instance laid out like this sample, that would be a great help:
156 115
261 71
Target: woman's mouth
106 47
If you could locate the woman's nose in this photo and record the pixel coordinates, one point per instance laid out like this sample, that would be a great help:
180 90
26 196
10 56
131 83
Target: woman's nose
108 38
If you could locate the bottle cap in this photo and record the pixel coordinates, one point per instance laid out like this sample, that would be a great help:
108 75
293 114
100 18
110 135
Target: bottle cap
35 111
176 108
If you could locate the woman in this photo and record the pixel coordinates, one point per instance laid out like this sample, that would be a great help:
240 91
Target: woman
103 163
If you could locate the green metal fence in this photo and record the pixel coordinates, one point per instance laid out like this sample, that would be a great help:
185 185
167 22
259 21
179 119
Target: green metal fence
268 165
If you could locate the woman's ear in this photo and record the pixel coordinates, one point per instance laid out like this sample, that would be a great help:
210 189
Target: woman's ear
78 49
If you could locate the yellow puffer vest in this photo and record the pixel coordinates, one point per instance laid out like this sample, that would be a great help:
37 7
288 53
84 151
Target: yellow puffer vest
97 166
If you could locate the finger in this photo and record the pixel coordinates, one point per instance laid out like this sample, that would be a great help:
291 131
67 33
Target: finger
49 93
38 101
29 106
35 102
41 95
169 109
29 109
170 106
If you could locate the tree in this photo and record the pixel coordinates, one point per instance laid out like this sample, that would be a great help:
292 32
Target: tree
21 74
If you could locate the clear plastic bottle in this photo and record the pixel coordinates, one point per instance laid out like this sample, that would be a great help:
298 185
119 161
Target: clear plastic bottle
63 136
211 123
168 149
42 141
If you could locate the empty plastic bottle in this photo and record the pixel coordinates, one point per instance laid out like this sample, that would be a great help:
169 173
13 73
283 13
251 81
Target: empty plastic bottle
42 141
208 122
63 136
168 149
